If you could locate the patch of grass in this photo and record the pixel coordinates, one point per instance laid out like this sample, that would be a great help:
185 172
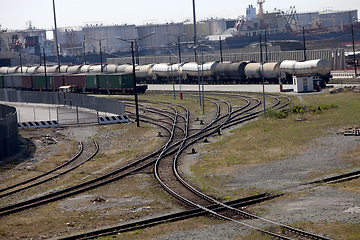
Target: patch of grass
274 139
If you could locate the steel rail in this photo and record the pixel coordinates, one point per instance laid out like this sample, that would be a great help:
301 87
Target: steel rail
75 189
137 224
234 209
213 200
55 176
46 173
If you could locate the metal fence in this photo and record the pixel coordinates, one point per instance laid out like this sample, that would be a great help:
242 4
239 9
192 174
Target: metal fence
335 56
68 106
9 137
67 115
59 98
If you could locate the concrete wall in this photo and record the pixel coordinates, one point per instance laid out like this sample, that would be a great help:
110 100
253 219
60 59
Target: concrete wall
9 136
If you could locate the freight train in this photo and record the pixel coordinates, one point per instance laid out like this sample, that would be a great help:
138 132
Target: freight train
33 78
211 72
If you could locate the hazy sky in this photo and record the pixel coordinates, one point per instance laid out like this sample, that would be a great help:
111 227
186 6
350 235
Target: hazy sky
15 14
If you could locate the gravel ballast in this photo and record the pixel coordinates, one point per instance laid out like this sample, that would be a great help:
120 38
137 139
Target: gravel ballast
319 204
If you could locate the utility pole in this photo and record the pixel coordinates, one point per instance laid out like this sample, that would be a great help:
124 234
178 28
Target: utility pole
221 57
262 75
304 44
56 37
353 45
131 41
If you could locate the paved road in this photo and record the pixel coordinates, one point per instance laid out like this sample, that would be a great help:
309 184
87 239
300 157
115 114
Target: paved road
241 88
271 88
42 112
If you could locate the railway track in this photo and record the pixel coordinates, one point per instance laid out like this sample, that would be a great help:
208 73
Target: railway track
97 182
167 167
178 192
165 163
79 159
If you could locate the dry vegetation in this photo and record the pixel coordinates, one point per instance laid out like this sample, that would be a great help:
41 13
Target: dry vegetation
254 143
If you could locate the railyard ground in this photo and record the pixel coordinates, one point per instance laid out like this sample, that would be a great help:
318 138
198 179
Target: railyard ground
266 155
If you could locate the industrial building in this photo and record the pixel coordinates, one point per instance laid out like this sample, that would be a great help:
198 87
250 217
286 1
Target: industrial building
74 41
96 35
327 19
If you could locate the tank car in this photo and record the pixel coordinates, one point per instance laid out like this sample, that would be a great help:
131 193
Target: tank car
85 68
271 71
33 70
12 70
121 68
191 71
160 73
74 69
252 72
4 70
145 73
318 68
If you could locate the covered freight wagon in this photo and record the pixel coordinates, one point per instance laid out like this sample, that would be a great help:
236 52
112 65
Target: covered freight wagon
1 81
58 81
12 81
40 83
116 82
26 82
92 82
78 80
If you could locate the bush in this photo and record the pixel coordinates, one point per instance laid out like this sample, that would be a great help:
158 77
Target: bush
298 109
276 113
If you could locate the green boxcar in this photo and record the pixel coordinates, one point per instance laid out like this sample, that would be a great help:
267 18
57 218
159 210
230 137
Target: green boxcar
116 81
92 81
128 80
39 81
1 81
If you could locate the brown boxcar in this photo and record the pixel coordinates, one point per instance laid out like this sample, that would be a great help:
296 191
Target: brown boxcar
78 80
58 81
26 82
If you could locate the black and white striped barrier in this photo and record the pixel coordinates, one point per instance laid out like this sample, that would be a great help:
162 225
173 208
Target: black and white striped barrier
41 124
113 119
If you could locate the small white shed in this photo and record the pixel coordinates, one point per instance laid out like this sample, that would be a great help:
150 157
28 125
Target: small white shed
303 83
